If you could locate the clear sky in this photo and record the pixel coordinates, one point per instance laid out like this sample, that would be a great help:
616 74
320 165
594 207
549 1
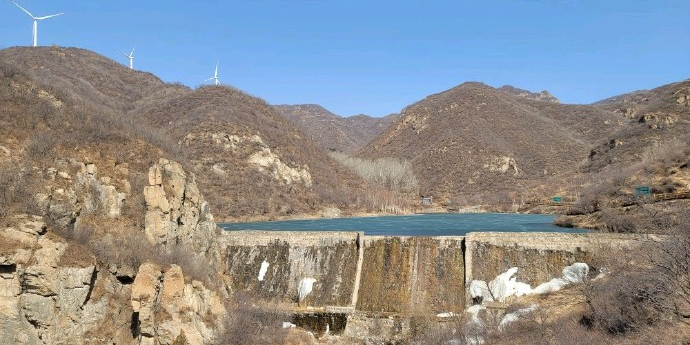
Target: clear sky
376 57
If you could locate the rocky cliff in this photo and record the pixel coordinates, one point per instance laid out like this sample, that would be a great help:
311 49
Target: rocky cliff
60 283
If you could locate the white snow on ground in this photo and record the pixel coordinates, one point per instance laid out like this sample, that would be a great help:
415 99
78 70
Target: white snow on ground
446 314
575 273
479 288
475 326
288 324
516 315
304 287
506 284
474 312
263 270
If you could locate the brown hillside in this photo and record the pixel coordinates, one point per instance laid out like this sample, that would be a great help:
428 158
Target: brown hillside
332 132
84 76
249 160
656 120
43 129
474 139
652 149
536 96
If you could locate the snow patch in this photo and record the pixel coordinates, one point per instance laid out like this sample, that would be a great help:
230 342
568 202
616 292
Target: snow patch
506 284
263 270
474 313
516 315
575 273
304 287
288 324
478 288
446 314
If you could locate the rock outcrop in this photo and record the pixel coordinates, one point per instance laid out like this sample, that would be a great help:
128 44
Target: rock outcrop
66 198
176 213
47 288
543 96
165 307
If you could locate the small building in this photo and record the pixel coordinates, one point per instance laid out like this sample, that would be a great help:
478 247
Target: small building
427 200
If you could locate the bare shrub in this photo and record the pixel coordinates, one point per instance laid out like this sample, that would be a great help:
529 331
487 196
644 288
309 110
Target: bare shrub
385 172
646 291
18 186
627 302
248 324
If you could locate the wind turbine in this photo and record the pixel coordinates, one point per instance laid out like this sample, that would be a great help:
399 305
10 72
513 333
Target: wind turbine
215 76
131 58
36 19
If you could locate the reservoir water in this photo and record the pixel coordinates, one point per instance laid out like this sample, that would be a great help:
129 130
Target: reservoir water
434 224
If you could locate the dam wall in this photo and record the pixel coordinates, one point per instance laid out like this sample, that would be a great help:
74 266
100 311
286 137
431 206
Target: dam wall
409 275
394 274
330 258
539 256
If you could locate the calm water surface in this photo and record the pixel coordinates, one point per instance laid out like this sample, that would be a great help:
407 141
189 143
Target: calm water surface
437 224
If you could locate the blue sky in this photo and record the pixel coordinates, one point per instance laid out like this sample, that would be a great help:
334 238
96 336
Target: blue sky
376 57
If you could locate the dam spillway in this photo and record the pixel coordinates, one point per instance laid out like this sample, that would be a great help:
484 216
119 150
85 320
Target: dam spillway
397 274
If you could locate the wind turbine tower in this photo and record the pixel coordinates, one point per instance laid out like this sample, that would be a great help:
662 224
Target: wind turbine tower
36 19
215 76
131 58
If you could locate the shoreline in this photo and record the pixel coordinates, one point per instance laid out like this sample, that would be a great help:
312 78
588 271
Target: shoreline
337 213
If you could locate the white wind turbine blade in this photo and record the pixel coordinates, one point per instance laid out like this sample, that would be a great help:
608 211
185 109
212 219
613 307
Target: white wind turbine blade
216 74
125 54
23 9
50 16
132 53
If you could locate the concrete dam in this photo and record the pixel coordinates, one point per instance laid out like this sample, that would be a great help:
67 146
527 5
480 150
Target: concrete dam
394 275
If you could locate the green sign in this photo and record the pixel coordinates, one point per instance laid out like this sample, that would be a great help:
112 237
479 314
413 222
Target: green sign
642 190
556 199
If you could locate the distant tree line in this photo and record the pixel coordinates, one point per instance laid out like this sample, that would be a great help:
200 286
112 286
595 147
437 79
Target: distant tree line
391 173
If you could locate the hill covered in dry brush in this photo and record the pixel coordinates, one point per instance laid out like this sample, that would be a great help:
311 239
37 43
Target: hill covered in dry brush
250 161
332 132
474 141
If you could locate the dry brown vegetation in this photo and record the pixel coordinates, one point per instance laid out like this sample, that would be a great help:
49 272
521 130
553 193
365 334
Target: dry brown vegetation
332 132
643 297
649 151
69 102
475 140
249 325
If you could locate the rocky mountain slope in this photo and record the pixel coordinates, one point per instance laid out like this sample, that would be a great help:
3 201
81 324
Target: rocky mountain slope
332 132
250 160
656 119
652 150
88 210
537 96
475 139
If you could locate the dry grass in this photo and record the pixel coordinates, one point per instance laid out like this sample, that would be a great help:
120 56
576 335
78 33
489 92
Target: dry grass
332 132
452 138
105 107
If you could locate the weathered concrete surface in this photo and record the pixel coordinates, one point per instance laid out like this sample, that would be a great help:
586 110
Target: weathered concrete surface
539 256
412 275
329 257
398 275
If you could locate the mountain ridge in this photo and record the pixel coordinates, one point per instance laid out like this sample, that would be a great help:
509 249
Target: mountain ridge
333 132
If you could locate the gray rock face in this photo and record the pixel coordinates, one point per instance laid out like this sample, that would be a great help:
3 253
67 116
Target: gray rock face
87 193
41 301
176 213
50 294
166 306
